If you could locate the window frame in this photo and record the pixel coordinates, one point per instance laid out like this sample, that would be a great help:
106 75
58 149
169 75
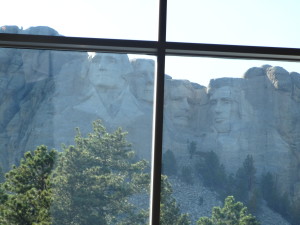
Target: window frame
160 48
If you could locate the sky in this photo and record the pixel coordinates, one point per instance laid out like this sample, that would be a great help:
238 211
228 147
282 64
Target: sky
239 22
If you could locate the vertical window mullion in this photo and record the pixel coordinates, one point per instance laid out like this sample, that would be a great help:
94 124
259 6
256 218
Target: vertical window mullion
158 117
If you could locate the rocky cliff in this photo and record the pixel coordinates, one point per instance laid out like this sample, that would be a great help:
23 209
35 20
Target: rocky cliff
46 94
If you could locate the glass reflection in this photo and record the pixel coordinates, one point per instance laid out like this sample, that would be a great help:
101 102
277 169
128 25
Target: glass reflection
81 105
234 137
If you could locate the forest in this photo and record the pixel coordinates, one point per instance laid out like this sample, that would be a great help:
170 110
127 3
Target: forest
98 180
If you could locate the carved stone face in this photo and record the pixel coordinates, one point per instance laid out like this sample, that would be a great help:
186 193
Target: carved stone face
142 84
107 70
178 107
224 108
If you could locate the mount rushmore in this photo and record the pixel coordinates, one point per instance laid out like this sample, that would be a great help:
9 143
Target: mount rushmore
46 94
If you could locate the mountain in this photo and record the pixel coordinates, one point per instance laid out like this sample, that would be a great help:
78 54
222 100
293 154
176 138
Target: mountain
46 94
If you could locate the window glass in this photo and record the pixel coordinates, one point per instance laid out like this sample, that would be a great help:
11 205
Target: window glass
95 110
115 19
230 129
256 23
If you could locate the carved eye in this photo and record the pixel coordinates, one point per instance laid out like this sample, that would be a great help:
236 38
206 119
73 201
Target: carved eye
213 102
191 101
226 100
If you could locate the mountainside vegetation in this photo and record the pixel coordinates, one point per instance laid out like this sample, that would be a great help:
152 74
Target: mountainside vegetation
233 213
95 181
98 181
245 186
26 194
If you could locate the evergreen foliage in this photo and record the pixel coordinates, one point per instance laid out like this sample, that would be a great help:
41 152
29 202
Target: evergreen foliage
2 177
26 192
169 164
3 195
192 148
233 213
95 179
169 209
245 184
275 200
242 185
94 182
245 176
186 175
211 171
279 202
268 188
294 211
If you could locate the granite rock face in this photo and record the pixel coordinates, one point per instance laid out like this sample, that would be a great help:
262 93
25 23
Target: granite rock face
256 115
46 94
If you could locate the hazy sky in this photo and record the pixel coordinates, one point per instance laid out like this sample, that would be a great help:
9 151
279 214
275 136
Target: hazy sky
241 22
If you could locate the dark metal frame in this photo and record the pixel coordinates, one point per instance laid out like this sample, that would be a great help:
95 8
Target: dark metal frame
147 47
160 48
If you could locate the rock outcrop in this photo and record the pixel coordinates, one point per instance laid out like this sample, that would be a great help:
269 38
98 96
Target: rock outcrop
46 94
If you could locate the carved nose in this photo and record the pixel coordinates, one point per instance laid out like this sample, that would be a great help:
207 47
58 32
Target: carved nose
150 78
217 106
217 112
101 67
184 105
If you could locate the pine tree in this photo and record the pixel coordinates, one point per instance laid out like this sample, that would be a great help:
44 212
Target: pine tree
192 147
295 215
96 178
277 201
233 213
250 171
186 175
245 180
3 195
2 178
169 164
270 191
26 193
169 209
211 171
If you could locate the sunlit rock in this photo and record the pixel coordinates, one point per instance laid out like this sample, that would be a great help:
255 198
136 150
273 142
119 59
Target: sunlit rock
46 94
142 79
280 78
41 30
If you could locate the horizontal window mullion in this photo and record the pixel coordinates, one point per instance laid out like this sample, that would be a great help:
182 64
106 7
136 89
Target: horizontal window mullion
232 51
147 47
77 44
